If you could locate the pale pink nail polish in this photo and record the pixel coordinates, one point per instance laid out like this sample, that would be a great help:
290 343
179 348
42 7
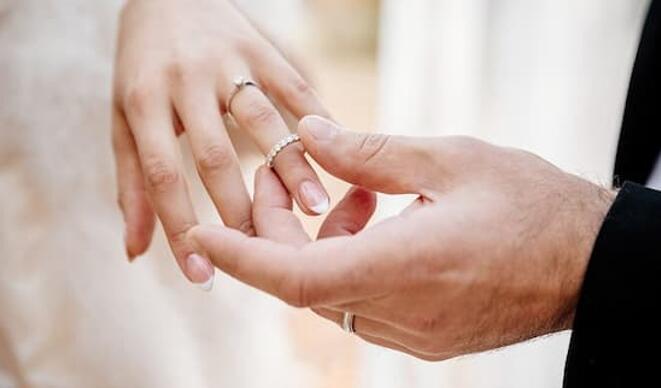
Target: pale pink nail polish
200 271
129 255
314 197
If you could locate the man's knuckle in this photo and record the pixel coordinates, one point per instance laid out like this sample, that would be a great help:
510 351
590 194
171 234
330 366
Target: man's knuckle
161 174
214 158
371 146
426 324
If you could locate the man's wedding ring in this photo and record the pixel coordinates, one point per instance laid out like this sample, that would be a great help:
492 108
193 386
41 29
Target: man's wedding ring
279 146
347 323
239 84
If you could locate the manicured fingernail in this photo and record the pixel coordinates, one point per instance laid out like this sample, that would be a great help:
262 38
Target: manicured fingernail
314 197
208 285
200 271
319 128
130 256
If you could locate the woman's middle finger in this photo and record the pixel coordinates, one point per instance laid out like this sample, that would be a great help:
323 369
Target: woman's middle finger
215 158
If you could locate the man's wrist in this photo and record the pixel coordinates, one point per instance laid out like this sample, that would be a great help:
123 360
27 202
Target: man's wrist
596 207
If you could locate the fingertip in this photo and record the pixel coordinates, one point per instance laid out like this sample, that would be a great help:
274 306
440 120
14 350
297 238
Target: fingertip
321 207
266 177
306 120
196 236
200 237
200 271
138 229
270 192
260 175
132 248
365 198
312 118
362 193
351 215
137 242
315 128
129 252
219 245
135 248
205 238
262 172
314 197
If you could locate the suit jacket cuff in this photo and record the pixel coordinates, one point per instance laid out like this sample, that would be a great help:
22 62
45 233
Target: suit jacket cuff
617 318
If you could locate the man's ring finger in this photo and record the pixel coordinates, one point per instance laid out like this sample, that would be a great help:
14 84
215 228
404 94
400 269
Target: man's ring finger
348 322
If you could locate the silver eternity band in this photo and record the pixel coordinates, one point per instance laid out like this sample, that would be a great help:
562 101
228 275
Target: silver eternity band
348 323
279 146
240 83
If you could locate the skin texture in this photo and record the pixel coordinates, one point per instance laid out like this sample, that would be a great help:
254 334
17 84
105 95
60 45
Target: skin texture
175 65
492 252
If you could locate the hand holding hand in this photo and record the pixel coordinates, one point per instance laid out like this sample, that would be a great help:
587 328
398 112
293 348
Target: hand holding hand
175 67
491 253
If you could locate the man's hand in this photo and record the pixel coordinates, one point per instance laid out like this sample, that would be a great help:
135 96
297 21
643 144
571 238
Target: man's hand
492 252
175 67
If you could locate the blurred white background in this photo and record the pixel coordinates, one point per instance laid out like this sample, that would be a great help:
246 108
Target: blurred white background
548 76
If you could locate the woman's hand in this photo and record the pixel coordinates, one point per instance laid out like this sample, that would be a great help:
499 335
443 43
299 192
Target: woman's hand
491 253
175 67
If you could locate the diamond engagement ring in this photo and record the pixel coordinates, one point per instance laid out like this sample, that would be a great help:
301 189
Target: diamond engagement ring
239 84
347 323
279 146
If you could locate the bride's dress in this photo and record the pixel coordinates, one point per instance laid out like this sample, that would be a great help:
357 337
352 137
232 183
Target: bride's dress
549 76
73 312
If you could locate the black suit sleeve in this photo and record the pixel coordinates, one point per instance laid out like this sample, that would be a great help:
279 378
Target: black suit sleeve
616 337
640 137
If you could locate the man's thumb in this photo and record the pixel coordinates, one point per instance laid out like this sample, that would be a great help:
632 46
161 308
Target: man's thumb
388 164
